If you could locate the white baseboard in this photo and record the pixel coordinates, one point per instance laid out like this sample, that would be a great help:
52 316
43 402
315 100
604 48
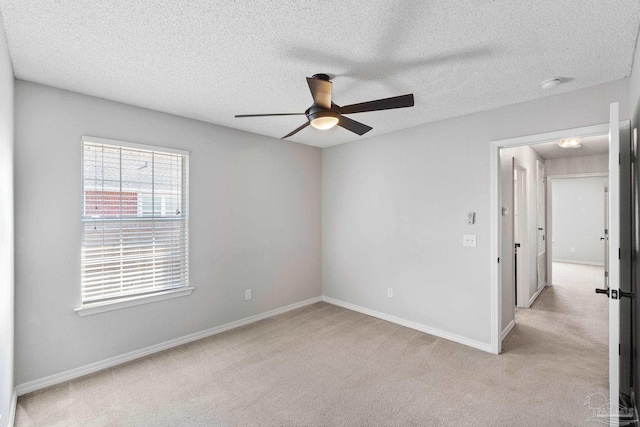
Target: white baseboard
534 296
508 329
413 325
117 360
12 408
573 261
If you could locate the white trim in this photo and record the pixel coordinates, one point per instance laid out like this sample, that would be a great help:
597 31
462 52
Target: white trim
535 296
12 409
579 175
572 261
410 324
54 379
495 214
134 145
101 307
508 329
552 136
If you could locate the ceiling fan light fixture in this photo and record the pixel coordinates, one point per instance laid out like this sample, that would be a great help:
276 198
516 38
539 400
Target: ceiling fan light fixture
323 123
573 142
322 119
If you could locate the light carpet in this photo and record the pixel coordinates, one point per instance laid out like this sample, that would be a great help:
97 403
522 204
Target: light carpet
323 365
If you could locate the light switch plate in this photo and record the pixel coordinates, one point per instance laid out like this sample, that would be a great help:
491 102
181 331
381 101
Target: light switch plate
469 240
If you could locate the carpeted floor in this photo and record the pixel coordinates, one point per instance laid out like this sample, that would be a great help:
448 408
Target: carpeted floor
326 366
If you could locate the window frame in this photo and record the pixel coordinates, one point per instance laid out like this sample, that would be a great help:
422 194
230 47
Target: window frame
115 303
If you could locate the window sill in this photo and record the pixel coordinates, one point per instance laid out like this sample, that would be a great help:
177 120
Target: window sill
101 307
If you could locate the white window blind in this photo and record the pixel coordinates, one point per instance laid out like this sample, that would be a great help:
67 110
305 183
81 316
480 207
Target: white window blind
134 221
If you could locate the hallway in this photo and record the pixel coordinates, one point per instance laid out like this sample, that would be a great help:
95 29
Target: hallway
565 331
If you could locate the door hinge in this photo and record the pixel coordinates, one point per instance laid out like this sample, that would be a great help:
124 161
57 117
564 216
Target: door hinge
619 254
498 260
619 350
619 161
606 274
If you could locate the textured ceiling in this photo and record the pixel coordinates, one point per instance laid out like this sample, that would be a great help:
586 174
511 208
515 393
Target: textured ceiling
598 144
209 60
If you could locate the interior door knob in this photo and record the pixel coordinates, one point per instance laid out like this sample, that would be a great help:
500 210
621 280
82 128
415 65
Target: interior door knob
629 295
602 291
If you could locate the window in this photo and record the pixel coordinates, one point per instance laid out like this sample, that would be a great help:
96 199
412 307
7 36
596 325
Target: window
134 221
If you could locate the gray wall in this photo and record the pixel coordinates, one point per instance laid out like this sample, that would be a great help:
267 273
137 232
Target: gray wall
6 231
254 223
575 165
578 220
395 208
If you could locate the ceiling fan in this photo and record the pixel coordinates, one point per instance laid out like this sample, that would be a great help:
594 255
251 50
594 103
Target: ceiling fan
324 114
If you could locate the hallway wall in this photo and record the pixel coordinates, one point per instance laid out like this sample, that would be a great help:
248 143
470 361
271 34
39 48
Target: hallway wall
578 164
578 220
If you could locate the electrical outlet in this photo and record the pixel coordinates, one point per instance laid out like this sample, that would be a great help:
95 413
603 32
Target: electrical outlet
572 249
247 294
469 240
390 292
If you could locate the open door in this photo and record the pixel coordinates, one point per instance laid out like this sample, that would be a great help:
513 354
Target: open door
606 235
541 224
617 271
520 235
612 240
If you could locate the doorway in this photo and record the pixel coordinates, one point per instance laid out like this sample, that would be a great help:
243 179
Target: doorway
619 146
578 222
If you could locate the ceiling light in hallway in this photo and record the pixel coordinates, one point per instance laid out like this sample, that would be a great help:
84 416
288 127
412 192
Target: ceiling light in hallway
574 142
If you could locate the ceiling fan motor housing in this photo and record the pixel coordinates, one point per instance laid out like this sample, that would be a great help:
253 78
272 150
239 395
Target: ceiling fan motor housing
315 112
321 76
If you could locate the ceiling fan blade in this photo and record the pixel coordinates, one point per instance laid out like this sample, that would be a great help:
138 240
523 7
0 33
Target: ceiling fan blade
321 92
379 104
296 131
266 115
353 126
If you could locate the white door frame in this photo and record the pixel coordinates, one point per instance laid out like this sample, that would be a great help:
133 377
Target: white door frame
496 212
550 178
